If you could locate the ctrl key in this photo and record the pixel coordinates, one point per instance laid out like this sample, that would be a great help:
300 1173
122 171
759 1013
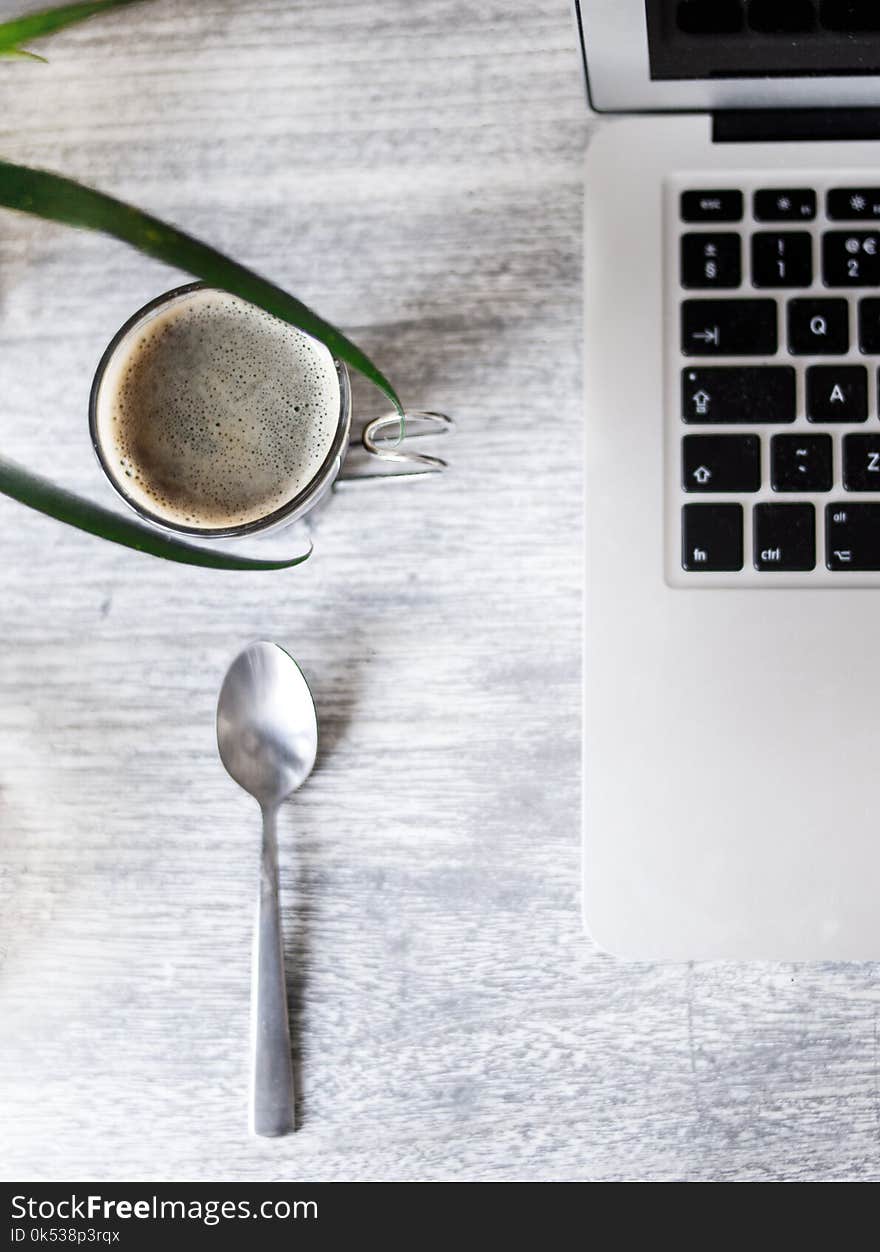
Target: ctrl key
785 537
852 536
712 537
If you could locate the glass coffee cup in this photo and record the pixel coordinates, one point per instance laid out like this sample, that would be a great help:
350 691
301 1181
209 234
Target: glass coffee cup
193 421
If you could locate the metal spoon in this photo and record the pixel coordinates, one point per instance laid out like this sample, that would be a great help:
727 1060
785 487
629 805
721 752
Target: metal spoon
267 734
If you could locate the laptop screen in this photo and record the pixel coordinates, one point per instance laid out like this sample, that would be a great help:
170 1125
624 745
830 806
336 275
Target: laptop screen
734 39
715 54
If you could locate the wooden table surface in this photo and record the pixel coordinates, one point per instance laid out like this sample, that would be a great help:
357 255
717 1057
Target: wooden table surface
413 170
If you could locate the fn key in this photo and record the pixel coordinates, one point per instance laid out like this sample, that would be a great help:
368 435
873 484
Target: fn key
712 537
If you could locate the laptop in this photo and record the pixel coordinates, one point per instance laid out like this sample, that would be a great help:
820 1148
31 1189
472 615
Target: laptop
732 471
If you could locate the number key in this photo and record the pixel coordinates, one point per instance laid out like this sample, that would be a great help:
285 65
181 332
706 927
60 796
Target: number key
710 260
851 258
782 259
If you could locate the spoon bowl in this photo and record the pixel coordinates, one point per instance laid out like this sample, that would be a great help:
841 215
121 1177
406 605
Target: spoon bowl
267 728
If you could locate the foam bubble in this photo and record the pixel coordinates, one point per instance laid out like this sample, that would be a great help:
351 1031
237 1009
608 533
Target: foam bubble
214 414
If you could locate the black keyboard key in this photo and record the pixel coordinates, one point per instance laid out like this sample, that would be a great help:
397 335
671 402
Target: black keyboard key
783 17
710 260
818 327
738 393
852 536
721 463
800 463
851 258
785 537
837 393
849 17
709 17
869 325
785 204
861 462
782 258
711 206
712 537
728 328
853 204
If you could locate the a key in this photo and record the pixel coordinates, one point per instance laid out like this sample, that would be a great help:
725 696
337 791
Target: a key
728 327
869 325
785 205
853 204
712 537
784 537
710 260
711 206
852 536
851 258
861 462
818 327
837 393
738 393
782 259
800 463
721 463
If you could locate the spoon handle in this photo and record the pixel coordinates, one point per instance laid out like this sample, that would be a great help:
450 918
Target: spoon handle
272 1100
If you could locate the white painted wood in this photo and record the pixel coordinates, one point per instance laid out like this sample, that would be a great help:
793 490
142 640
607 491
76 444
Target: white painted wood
414 171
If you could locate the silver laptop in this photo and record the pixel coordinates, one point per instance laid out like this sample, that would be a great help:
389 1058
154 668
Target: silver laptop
732 327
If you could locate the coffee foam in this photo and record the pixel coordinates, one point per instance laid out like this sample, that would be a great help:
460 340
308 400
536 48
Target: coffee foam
213 414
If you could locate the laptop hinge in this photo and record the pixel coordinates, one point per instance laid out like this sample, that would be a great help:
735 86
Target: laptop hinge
794 125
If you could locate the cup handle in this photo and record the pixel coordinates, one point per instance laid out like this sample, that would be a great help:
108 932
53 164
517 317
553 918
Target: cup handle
417 424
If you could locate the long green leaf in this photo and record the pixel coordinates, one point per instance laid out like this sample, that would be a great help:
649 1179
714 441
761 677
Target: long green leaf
62 200
55 502
20 54
22 29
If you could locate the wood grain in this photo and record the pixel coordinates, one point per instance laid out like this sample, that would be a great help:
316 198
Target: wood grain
413 170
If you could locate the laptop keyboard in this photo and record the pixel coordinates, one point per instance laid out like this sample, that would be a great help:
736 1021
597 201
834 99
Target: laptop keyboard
777 450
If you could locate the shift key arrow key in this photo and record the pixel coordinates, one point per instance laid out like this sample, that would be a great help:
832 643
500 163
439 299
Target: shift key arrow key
730 394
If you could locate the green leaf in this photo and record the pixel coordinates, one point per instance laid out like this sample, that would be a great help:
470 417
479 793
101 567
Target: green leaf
56 502
22 29
20 54
62 200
